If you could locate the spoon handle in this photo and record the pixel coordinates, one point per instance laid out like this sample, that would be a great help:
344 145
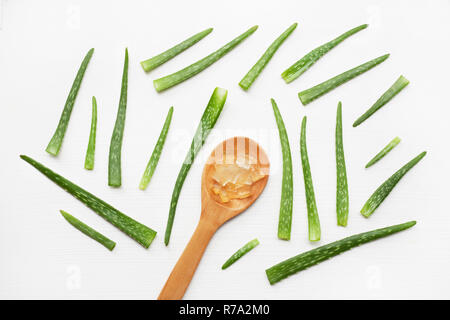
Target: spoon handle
184 270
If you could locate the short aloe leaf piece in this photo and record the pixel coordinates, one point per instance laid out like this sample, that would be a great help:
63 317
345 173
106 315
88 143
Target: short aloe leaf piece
285 216
391 145
137 231
91 233
398 86
383 191
313 216
311 94
241 252
254 72
55 143
298 68
90 152
156 154
173 79
310 258
165 56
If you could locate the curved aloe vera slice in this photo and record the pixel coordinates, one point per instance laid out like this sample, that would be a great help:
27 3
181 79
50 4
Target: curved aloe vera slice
313 216
254 72
285 217
238 254
91 233
307 96
173 79
391 145
383 191
298 68
55 143
385 98
115 147
137 231
207 122
341 173
156 154
90 153
165 56
310 258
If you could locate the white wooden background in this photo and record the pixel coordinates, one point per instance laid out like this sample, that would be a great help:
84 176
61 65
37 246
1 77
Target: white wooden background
41 46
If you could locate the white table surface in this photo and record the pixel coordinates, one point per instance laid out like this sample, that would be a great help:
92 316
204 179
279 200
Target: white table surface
42 45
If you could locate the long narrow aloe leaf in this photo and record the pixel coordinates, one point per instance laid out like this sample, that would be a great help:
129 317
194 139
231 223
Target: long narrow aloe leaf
391 145
298 68
165 56
91 233
173 79
385 98
313 216
310 258
137 231
285 217
238 254
207 122
307 96
115 147
341 173
55 143
254 72
383 191
90 153
156 154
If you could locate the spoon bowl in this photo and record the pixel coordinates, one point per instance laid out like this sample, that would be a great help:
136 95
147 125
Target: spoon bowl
216 212
234 147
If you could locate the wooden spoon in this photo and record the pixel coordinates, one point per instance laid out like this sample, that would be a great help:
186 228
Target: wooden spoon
214 212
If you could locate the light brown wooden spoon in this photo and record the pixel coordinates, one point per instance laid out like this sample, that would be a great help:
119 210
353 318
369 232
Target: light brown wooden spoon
214 212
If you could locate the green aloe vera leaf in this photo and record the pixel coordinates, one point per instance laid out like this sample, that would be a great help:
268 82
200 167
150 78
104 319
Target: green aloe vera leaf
207 122
299 67
115 147
341 173
91 233
254 72
137 231
165 56
383 191
398 86
313 216
156 154
310 258
90 152
55 143
285 216
173 79
391 145
311 94
242 251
